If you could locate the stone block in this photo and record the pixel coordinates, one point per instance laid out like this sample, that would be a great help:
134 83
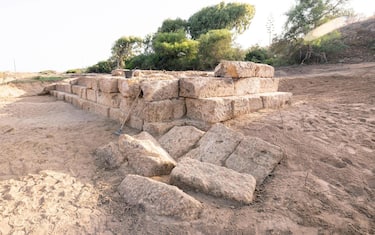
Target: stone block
118 72
264 71
268 85
160 128
214 180
156 90
91 95
129 87
77 102
274 100
64 87
158 198
164 110
246 104
246 86
108 85
256 157
243 69
126 103
95 108
68 98
145 155
116 114
80 91
108 99
135 122
180 140
216 145
86 81
209 109
205 87
109 156
60 95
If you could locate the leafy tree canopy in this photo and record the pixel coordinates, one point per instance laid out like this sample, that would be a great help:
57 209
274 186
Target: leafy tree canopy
173 26
229 16
124 48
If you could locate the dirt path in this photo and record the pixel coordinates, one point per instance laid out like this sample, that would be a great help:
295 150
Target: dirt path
50 183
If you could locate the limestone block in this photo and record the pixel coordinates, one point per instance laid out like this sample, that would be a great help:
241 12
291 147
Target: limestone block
145 155
80 91
268 85
209 109
256 157
108 85
118 72
108 99
160 128
86 81
246 104
64 87
91 95
95 83
243 69
216 145
180 139
135 122
68 98
274 100
116 114
205 87
95 108
109 156
53 93
155 90
77 102
126 103
60 95
129 87
246 86
214 180
158 198
164 110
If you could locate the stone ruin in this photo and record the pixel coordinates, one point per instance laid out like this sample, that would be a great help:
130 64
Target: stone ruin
179 115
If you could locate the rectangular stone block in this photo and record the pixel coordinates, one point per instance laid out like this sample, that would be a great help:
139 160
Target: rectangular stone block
247 86
210 109
108 99
77 102
60 95
135 122
95 108
91 95
64 87
69 98
129 87
108 85
268 85
86 81
274 100
160 128
80 91
206 87
156 90
164 110
126 103
116 114
264 71
246 104
243 69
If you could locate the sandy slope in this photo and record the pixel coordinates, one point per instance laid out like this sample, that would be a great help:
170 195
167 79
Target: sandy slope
325 184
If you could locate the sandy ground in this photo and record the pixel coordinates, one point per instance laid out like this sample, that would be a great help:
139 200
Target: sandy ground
50 182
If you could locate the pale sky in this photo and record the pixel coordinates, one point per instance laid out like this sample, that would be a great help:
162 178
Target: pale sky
38 35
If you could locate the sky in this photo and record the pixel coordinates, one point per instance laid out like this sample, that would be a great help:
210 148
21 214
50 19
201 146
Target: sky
37 35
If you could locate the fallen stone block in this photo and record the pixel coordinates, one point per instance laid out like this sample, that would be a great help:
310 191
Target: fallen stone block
64 87
268 85
91 95
145 155
214 180
216 145
159 198
80 91
156 90
205 87
256 157
274 100
109 156
164 110
129 87
246 104
246 86
108 85
209 109
243 69
180 139
108 99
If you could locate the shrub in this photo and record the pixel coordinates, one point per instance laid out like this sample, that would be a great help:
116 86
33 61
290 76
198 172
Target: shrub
101 67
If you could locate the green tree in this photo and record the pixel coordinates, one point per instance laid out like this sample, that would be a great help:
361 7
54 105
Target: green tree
104 66
124 48
173 26
229 16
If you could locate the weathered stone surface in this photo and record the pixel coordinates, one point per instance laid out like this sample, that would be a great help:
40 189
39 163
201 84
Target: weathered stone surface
60 95
77 102
246 86
135 122
129 87
216 145
91 94
246 104
68 98
87 81
95 108
159 89
109 156
159 198
64 87
126 103
180 139
116 114
118 72
209 109
108 85
268 85
146 155
214 180
108 99
160 128
243 69
164 110
256 157
80 91
205 87
274 100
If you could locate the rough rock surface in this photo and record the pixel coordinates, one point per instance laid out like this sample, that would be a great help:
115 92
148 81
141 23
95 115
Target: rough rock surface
246 104
246 86
159 198
243 69
145 155
275 100
205 87
209 109
216 145
129 87
163 110
256 157
159 89
109 156
214 180
180 139
108 85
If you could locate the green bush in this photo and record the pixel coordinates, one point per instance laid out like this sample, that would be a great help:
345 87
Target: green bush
258 54
76 71
101 67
